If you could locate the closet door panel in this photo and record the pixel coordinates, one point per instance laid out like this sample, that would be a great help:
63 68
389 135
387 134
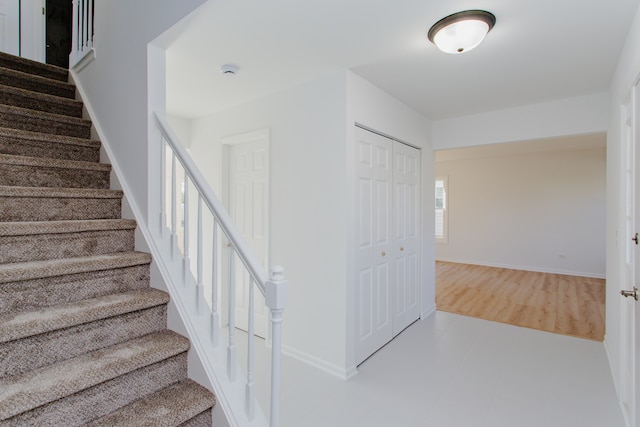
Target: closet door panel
374 326
406 239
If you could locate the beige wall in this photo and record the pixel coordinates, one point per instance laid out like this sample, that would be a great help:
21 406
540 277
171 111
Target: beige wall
541 211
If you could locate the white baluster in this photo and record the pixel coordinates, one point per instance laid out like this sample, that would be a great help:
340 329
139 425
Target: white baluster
75 33
185 260
85 19
163 185
250 397
174 207
231 349
275 288
199 291
276 295
215 317
90 25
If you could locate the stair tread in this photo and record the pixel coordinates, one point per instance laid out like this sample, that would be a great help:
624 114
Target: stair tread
60 73
25 228
166 408
11 159
48 137
37 79
39 321
57 267
42 115
26 391
39 95
93 193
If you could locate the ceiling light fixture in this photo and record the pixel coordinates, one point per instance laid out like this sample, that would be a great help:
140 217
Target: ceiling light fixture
229 69
462 31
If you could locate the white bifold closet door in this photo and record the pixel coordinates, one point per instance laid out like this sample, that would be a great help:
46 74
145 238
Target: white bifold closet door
388 240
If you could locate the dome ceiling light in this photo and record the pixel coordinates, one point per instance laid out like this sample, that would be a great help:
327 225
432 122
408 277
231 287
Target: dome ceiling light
461 31
229 69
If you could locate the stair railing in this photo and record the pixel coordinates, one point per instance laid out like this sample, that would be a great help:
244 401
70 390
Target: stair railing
82 31
176 218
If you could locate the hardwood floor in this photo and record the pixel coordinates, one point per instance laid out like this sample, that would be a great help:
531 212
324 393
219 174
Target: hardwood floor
568 305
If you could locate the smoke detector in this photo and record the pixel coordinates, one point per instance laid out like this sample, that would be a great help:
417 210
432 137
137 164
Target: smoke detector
229 69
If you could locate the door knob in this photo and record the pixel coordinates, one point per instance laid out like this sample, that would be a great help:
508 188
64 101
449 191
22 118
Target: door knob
633 293
384 253
635 238
401 248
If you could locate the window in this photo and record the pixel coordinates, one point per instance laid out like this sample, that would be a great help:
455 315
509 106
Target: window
441 210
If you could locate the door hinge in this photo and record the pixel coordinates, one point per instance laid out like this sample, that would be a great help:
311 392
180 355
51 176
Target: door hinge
633 293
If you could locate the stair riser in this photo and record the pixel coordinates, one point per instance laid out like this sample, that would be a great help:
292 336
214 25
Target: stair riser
30 176
201 420
46 176
22 147
24 82
64 108
44 125
104 398
39 69
37 351
64 245
52 209
48 291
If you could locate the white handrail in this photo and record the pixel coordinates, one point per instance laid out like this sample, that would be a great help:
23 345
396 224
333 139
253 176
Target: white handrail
215 205
273 287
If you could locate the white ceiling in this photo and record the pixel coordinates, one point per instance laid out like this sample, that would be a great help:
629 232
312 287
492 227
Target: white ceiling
539 50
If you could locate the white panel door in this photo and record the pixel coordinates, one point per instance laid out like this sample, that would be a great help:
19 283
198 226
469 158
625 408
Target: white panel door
406 238
248 206
630 308
387 291
10 26
374 326
33 37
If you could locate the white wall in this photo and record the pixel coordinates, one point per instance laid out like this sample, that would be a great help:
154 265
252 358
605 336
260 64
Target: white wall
307 205
627 71
540 211
115 83
571 116
182 129
312 212
369 106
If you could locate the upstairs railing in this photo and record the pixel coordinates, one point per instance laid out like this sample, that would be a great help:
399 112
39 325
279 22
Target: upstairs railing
82 31
185 217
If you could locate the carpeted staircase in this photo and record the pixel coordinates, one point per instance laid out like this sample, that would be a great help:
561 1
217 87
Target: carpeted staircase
83 338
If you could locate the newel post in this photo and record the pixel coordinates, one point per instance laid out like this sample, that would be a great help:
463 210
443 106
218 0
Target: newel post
276 295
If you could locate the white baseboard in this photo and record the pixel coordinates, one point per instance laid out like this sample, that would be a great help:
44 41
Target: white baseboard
335 370
428 311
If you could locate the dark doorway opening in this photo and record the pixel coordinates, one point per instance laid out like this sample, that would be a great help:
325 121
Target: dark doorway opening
58 32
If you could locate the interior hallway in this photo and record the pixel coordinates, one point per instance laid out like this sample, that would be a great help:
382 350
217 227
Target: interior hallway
456 371
558 303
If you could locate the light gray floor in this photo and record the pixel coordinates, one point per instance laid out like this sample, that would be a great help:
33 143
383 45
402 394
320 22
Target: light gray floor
455 371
